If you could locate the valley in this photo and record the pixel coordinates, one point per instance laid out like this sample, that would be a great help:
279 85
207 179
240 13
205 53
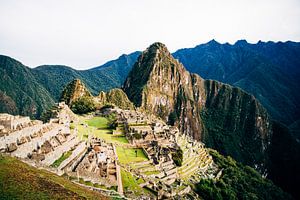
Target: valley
166 134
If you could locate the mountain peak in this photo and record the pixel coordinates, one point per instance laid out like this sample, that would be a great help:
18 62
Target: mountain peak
213 42
157 45
73 91
241 42
160 85
156 62
157 48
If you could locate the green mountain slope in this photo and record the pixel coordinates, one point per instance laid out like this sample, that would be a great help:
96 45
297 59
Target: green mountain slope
20 92
103 78
223 117
270 71
238 182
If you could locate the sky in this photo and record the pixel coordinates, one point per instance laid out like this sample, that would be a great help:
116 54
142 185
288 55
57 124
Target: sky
86 34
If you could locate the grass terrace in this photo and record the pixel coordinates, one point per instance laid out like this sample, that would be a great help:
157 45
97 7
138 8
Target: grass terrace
131 183
61 159
99 122
128 155
98 127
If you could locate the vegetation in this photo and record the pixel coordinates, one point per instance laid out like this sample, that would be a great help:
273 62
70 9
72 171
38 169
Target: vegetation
21 181
83 105
129 155
177 157
118 98
238 182
229 119
99 127
61 159
172 118
99 122
269 71
20 92
285 160
103 78
131 183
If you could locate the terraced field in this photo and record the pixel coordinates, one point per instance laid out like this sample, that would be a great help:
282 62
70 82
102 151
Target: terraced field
129 155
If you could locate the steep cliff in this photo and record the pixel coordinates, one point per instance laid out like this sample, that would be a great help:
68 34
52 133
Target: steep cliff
224 117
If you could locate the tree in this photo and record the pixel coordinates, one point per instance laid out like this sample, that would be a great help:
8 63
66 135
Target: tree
83 105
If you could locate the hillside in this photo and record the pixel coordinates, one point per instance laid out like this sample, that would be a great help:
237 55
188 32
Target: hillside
270 71
238 182
102 78
73 91
21 181
20 92
115 97
223 117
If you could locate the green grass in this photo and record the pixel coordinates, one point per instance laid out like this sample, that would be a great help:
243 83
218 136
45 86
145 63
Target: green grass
131 183
128 155
109 137
61 159
21 181
98 127
83 131
151 173
98 122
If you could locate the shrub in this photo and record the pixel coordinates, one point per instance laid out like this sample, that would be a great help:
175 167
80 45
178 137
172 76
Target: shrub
177 157
83 105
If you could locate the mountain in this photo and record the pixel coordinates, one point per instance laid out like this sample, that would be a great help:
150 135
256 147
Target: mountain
76 90
270 71
119 67
20 91
31 91
108 76
238 182
73 91
223 117
284 160
115 97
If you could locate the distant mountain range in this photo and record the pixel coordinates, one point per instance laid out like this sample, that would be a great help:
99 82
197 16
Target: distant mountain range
268 70
30 91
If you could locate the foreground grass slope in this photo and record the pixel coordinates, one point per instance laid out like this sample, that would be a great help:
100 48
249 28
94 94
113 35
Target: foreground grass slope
21 181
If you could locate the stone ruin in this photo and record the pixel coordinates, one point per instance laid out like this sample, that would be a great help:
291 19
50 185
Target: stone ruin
99 164
159 141
41 145
33 140
10 123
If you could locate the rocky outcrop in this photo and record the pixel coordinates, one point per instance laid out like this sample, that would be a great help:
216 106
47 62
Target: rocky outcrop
224 117
115 97
73 91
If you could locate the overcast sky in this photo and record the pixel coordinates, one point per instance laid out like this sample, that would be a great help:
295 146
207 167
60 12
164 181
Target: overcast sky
85 34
